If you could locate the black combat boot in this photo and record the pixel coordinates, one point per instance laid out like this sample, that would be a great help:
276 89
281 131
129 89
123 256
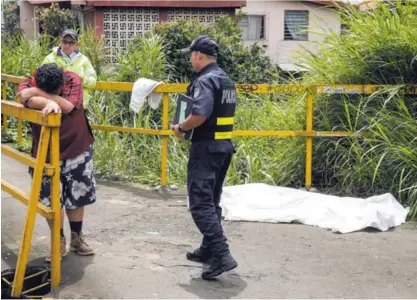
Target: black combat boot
201 254
219 265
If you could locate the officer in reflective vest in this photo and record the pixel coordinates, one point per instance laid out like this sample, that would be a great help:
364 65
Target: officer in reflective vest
209 127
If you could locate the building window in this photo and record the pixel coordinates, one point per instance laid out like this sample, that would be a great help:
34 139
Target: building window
296 25
344 29
253 27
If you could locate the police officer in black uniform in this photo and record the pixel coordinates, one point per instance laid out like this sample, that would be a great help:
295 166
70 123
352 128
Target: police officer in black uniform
209 127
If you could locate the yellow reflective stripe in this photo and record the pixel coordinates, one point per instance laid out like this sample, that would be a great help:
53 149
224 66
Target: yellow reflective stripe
223 135
225 121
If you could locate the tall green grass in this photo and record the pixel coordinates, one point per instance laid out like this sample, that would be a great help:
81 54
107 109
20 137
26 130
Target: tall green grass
92 46
21 56
379 48
138 157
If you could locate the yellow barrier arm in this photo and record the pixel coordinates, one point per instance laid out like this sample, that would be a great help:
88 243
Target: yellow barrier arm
56 208
31 212
4 97
49 139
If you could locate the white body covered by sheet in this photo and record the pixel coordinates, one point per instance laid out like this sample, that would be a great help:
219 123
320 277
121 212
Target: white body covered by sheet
272 204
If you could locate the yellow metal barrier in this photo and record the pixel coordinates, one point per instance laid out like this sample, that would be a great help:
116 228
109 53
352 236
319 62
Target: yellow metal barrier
309 132
49 140
3 97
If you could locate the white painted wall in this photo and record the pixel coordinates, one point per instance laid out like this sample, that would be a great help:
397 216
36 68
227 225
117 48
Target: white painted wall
28 21
281 51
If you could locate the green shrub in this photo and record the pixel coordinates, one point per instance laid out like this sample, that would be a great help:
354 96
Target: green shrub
243 64
144 58
92 46
54 20
11 15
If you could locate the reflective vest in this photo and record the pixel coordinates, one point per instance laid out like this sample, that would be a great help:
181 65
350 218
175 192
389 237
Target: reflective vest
219 126
78 64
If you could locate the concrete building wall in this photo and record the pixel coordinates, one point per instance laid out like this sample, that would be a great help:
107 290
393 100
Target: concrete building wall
321 19
28 21
368 5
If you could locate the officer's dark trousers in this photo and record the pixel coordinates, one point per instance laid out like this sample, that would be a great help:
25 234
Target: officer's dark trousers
207 168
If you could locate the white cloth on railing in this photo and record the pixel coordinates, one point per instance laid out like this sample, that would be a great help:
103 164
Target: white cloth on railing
142 88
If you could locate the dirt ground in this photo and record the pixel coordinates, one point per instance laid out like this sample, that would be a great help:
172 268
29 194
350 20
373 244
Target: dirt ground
141 238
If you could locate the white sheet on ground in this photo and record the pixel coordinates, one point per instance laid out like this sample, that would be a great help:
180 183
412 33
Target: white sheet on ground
272 204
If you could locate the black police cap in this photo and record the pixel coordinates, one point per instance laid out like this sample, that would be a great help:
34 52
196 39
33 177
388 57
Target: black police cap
202 44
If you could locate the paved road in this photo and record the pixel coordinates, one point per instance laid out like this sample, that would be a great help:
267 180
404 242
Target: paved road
141 237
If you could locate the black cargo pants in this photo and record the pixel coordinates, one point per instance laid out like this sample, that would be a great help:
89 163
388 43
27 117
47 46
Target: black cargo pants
207 167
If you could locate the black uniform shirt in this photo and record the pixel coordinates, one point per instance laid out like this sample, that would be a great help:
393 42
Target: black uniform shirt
202 89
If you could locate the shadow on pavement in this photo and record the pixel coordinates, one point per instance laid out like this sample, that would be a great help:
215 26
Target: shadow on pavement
226 286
